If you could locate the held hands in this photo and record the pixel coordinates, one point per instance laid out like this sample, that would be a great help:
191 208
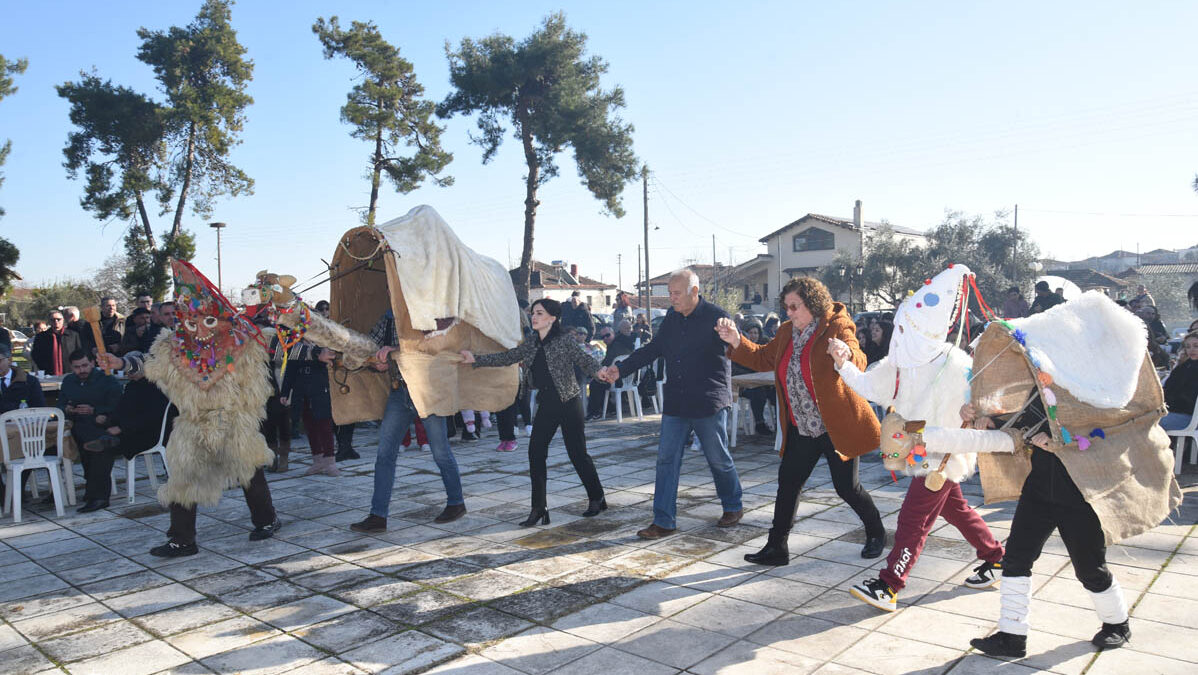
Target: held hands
608 374
110 361
727 330
467 356
326 356
381 356
839 351
1041 440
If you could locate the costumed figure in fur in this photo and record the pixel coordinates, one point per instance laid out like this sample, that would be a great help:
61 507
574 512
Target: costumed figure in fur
213 367
925 379
1073 390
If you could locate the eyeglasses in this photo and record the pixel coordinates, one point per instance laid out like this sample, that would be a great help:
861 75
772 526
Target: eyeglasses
56 319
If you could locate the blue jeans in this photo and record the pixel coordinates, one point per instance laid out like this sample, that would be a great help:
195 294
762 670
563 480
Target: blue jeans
1175 421
713 437
398 416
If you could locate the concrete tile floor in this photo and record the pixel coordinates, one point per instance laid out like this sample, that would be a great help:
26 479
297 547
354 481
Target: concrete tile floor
79 594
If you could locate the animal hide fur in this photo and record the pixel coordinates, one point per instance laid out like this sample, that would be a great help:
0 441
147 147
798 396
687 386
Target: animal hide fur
216 443
356 349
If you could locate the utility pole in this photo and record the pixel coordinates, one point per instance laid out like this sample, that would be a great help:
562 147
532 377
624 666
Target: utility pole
619 273
638 272
715 280
1015 244
219 281
648 289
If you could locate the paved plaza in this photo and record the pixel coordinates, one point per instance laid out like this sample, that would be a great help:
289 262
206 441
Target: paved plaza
80 594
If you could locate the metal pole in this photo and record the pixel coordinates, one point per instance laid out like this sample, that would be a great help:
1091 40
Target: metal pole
220 284
648 288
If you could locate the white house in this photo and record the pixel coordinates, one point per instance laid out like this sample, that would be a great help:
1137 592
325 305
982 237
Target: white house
558 282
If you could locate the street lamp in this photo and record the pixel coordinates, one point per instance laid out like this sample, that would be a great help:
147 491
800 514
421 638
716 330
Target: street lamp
218 227
856 272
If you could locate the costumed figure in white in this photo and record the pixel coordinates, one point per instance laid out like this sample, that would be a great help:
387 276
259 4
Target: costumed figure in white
1073 393
213 368
925 379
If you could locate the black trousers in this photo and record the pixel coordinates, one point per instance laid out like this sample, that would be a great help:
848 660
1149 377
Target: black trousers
1051 501
506 419
345 436
97 471
802 453
257 497
552 413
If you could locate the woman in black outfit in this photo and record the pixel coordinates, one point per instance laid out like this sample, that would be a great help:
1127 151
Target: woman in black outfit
550 355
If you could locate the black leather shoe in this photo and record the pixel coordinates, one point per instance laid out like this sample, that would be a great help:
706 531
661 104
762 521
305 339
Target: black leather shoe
93 505
346 453
773 554
451 513
536 517
266 531
371 524
172 550
594 507
873 546
1112 636
1001 644
763 430
102 443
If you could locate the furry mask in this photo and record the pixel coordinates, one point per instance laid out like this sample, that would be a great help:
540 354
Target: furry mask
209 332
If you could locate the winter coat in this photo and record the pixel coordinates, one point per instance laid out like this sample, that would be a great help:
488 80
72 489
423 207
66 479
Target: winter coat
23 387
43 349
561 355
1181 389
849 419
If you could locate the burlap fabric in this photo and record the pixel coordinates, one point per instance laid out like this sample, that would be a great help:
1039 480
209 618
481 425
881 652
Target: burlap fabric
364 285
1126 473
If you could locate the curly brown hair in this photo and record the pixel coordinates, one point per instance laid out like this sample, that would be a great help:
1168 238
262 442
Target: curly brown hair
812 292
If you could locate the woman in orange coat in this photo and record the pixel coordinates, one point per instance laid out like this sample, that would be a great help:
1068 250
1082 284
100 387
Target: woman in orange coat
824 418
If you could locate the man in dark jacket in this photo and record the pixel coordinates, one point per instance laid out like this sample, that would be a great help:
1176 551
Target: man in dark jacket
132 428
87 396
1045 298
53 347
112 325
576 313
18 389
618 344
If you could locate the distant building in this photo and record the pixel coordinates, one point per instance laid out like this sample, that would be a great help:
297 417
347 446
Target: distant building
1091 280
557 281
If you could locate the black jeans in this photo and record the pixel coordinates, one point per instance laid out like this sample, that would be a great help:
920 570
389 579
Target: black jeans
345 436
802 453
1050 500
506 420
257 497
552 413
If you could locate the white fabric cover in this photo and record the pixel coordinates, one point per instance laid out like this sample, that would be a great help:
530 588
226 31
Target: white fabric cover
1089 346
443 278
921 321
1110 604
1015 602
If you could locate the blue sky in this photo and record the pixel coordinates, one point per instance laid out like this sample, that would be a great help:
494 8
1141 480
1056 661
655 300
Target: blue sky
749 115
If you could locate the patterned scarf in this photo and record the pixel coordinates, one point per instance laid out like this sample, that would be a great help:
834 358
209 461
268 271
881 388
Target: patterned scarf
802 404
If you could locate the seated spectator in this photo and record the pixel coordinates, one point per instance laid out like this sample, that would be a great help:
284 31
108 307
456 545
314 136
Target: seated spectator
877 344
1181 388
112 325
131 429
87 397
53 347
137 337
18 389
1045 298
1156 329
1014 307
618 344
757 396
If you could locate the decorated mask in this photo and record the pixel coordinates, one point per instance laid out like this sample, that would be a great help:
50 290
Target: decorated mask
209 332
902 442
922 323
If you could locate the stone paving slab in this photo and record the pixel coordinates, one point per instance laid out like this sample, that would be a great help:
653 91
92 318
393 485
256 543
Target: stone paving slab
79 594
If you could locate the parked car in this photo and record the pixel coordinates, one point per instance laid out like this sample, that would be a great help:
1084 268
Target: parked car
18 338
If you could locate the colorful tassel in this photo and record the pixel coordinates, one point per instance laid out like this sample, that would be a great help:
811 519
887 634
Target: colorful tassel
1044 378
1097 433
1052 412
1083 443
1049 397
1066 437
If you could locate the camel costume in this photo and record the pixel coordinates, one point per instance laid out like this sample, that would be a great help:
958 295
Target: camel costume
214 369
926 378
1077 372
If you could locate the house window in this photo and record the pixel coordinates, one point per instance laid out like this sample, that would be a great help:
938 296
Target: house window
813 239
607 299
746 291
765 290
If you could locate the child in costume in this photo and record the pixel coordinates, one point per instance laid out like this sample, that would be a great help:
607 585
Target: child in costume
925 378
1074 384
213 367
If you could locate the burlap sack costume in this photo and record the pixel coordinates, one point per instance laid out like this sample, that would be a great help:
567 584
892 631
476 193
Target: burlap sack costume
1088 359
444 297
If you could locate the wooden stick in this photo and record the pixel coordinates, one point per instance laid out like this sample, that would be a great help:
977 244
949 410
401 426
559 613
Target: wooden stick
92 316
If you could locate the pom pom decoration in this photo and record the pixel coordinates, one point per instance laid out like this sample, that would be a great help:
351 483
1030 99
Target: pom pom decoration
1052 412
1066 437
1050 399
1020 336
931 299
1097 433
1044 378
1083 443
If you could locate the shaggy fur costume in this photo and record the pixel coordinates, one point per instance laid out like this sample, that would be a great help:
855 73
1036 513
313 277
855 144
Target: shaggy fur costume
215 444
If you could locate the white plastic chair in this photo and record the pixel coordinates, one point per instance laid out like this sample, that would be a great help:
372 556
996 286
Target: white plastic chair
625 385
1182 438
659 402
148 456
32 423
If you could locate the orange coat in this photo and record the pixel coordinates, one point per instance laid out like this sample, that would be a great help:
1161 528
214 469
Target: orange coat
850 421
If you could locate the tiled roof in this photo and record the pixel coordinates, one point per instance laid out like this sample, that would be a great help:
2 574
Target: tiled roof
558 277
1089 278
1163 268
846 223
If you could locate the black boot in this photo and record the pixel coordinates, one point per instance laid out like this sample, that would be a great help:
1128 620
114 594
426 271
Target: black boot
775 553
594 507
874 544
1112 636
540 514
1001 644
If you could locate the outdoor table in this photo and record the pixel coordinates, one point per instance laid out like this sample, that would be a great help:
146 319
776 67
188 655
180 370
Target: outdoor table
750 381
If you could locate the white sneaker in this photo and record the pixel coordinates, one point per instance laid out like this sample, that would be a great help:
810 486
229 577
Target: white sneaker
426 447
985 575
528 430
875 592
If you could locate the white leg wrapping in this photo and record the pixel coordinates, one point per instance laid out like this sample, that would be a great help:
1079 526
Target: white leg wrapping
960 441
1016 604
1109 604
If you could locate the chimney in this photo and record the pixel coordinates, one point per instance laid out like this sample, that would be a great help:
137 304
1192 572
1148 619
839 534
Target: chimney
574 270
857 221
